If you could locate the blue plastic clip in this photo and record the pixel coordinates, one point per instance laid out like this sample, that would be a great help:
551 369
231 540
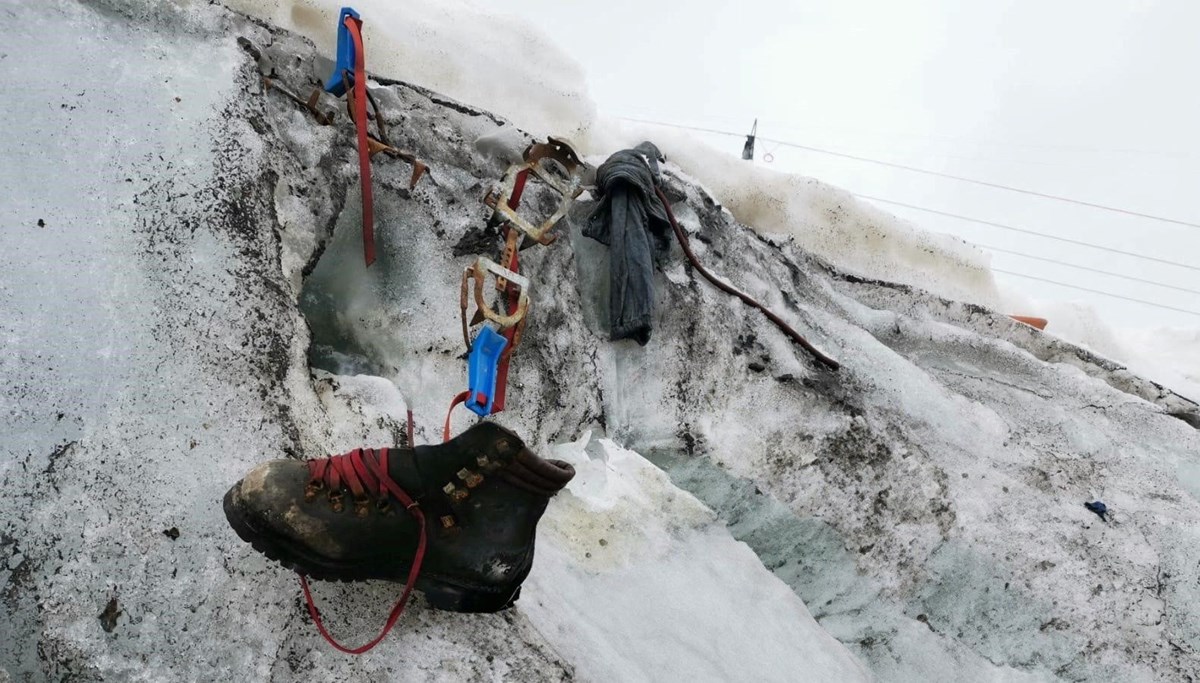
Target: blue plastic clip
482 365
345 54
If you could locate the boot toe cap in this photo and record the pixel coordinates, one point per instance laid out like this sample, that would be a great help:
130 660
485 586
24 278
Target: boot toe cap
268 505
267 486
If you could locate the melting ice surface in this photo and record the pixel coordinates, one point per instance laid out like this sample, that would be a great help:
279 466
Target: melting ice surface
638 580
669 594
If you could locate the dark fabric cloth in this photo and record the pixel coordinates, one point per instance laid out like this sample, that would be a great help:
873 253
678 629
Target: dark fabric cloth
631 221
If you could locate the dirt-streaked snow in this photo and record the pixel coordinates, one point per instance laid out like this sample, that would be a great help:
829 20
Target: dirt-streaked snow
916 516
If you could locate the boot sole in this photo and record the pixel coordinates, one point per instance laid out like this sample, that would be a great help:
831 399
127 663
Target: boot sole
439 593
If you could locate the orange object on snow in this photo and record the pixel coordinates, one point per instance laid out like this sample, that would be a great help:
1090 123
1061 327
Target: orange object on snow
1039 323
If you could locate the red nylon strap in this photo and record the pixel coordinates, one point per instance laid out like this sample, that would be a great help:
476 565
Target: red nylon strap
371 469
364 150
461 398
513 297
509 334
518 189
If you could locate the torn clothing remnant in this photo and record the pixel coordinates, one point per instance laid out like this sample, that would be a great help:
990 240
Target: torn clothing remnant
632 222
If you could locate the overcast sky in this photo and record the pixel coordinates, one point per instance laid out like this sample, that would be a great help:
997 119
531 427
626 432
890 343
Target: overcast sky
1092 100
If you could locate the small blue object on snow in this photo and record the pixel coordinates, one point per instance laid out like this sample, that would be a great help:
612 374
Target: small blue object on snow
482 367
345 54
1099 508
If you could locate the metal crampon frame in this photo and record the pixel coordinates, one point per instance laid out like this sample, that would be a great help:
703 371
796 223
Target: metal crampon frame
556 165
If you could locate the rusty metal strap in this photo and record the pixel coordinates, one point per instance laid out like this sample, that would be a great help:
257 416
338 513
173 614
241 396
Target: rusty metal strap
746 299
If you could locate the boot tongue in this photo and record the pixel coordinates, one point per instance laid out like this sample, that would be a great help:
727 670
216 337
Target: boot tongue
402 468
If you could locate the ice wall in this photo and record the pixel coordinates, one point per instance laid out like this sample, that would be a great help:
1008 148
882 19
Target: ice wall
466 50
471 52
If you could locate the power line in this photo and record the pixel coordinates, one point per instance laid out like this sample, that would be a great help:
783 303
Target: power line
1005 227
1027 232
986 143
1097 291
938 174
1094 270
877 134
986 184
676 125
1187 158
980 221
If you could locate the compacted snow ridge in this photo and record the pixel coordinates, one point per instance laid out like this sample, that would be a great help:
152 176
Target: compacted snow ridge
183 296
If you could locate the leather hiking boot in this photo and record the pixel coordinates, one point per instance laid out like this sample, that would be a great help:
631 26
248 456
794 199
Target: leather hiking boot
355 516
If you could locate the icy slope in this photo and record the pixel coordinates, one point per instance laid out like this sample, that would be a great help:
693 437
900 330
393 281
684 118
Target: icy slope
927 500
154 352
924 502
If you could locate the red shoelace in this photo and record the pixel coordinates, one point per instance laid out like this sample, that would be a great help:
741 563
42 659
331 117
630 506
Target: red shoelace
365 473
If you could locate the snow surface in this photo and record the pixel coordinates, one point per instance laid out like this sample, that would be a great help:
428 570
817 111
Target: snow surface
924 503
1170 356
459 48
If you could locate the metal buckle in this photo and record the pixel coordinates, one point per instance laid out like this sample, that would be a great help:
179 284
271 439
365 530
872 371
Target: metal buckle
477 274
